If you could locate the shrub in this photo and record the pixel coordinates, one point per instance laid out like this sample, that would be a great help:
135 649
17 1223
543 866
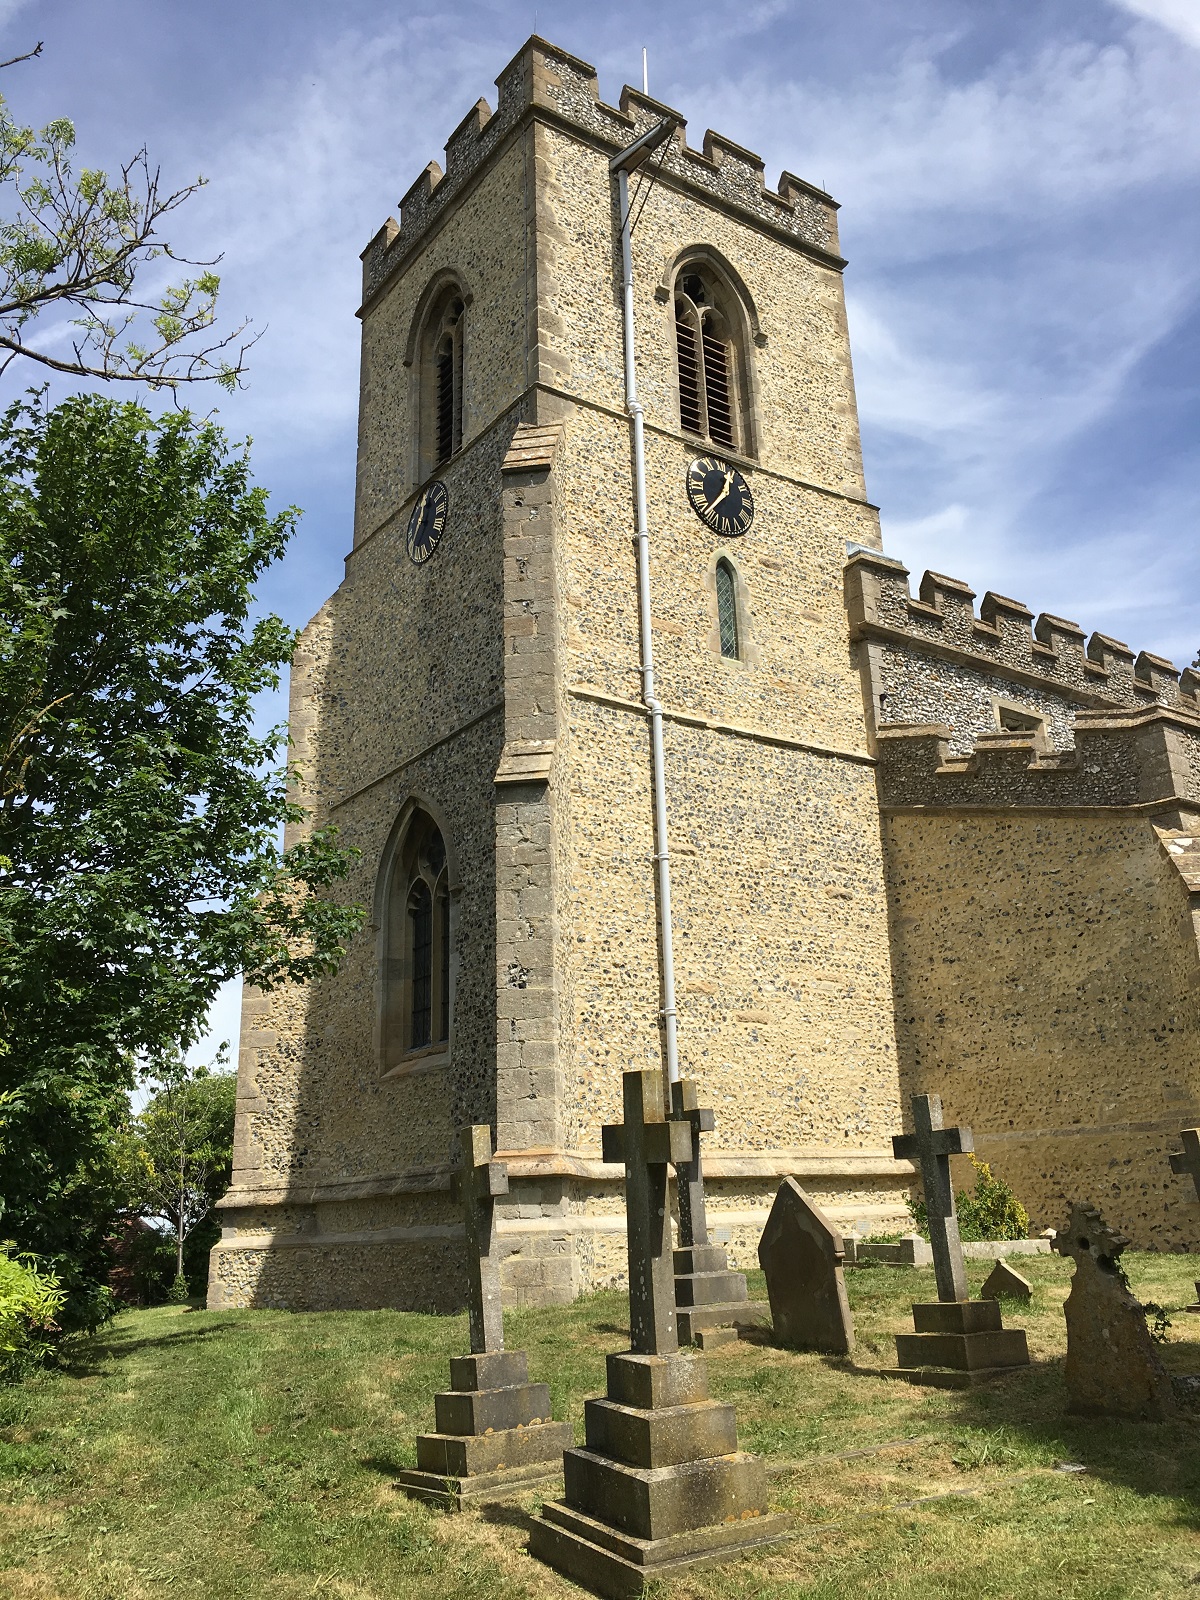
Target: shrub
991 1212
30 1301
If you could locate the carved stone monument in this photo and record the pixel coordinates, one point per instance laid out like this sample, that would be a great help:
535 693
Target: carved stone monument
1113 1369
660 1484
495 1436
1186 1163
712 1303
1005 1284
802 1253
953 1330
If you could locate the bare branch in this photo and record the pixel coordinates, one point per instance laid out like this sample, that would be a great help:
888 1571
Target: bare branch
28 56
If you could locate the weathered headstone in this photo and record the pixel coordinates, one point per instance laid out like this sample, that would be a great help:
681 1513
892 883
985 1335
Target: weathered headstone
952 1331
660 1484
1003 1283
495 1436
1113 1368
712 1302
801 1253
1186 1163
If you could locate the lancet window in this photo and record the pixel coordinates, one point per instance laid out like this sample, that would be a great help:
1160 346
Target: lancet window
709 361
441 381
416 999
727 610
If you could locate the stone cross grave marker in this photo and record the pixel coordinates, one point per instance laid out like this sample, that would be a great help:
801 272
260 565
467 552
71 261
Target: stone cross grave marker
931 1146
689 1175
475 1187
1186 1163
646 1142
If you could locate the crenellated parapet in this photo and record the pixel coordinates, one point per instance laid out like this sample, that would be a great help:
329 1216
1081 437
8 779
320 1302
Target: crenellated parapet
548 82
1147 757
1004 638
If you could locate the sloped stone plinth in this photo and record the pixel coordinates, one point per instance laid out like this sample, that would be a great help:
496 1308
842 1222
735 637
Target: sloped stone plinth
495 1436
712 1302
659 1485
965 1335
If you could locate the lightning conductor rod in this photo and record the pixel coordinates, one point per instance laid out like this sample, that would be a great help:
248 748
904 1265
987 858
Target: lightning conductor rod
622 165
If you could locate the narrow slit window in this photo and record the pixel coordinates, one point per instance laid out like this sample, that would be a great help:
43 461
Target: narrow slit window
727 611
442 385
420 911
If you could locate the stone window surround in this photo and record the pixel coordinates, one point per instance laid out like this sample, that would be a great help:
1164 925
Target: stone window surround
741 315
749 655
1021 718
392 1018
446 285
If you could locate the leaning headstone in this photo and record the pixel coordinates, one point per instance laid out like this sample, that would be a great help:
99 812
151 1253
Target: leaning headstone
952 1331
660 1485
712 1303
1005 1284
1186 1163
495 1436
1113 1369
801 1253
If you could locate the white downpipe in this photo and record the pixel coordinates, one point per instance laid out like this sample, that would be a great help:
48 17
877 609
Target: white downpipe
662 855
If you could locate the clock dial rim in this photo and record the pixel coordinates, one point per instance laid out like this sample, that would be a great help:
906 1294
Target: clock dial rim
425 530
704 508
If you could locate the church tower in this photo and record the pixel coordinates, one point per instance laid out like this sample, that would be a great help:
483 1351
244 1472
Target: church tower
467 709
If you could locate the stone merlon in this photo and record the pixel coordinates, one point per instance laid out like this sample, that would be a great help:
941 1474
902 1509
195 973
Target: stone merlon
545 82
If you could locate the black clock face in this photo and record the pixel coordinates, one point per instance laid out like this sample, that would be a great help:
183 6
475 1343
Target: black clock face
720 496
428 522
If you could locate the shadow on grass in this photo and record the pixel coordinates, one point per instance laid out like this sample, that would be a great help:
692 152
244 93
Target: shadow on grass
84 1361
507 1514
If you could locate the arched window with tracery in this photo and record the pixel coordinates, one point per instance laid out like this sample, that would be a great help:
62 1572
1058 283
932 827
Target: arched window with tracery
441 426
710 360
416 969
727 610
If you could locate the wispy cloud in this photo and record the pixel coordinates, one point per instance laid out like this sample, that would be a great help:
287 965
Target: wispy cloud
1181 17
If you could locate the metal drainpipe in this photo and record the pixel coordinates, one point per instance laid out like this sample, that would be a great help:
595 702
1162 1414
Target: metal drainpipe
621 164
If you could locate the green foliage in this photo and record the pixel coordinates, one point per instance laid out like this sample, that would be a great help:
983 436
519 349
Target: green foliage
30 1302
139 811
76 240
177 1294
179 1154
990 1211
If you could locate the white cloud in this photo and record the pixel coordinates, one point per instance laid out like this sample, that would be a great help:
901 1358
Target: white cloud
1181 17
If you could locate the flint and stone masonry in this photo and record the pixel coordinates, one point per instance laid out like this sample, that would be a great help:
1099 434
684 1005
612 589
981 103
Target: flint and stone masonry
914 849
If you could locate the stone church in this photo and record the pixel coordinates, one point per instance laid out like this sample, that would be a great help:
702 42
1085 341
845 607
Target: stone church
916 844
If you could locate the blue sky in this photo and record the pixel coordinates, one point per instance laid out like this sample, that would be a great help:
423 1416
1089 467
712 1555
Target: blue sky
1021 209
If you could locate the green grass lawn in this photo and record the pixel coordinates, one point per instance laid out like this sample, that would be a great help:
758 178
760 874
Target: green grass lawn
251 1454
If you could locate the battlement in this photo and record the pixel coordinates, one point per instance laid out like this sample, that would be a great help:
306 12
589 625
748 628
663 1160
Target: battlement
545 80
1006 638
1145 758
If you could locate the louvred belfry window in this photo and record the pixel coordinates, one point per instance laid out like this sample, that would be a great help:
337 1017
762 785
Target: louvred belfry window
448 376
706 362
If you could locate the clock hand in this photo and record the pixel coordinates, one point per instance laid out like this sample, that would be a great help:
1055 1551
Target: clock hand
728 486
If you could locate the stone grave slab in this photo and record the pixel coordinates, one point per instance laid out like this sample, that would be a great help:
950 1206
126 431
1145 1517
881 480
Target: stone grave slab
712 1302
659 1486
1005 1282
801 1253
952 1331
494 1433
1113 1368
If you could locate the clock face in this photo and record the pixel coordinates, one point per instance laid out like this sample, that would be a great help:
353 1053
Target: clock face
720 496
427 522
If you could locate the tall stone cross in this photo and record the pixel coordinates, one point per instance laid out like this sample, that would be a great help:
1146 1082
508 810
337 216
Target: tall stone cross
475 1186
647 1143
689 1177
931 1146
1186 1162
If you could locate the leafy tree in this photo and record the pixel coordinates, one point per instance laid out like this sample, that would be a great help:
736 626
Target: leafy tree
76 242
30 1301
181 1151
139 810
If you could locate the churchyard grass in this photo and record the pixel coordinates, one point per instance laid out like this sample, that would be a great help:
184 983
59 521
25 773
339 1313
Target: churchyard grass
250 1454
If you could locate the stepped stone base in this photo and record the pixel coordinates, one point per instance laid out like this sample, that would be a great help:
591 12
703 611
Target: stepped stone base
659 1485
712 1303
495 1435
965 1335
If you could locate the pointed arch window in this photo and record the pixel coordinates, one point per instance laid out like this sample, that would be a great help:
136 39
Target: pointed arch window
727 610
441 381
417 972
710 362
